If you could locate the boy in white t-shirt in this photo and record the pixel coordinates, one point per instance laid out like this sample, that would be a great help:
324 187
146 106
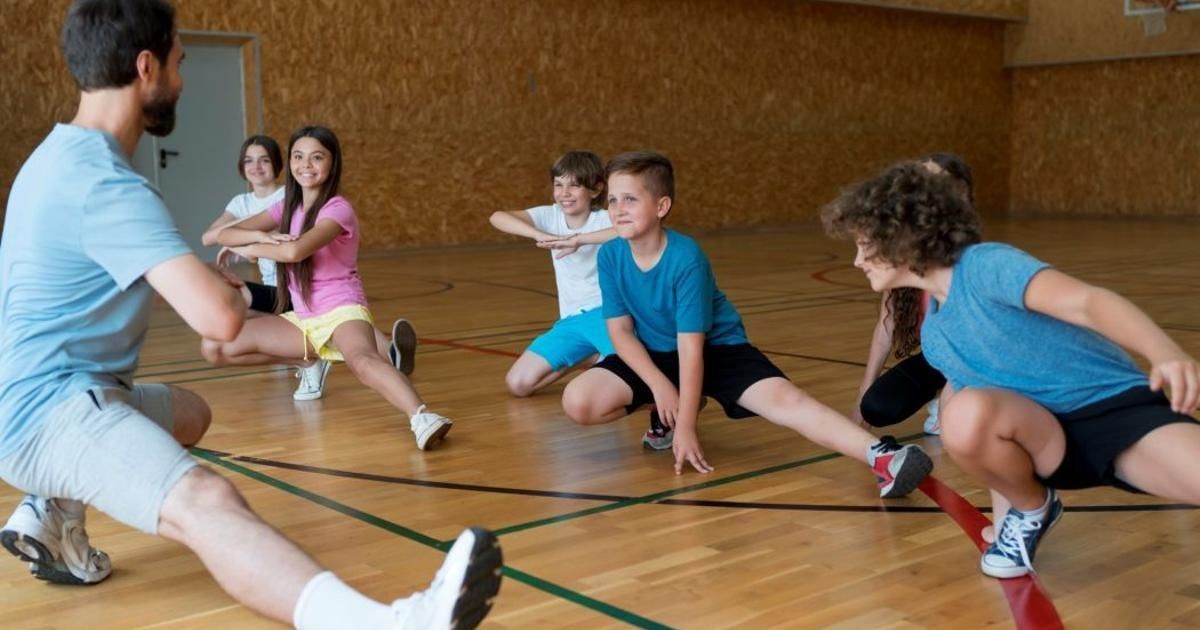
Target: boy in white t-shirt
573 229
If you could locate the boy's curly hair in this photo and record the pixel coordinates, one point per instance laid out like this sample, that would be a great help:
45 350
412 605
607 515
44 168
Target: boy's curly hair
910 218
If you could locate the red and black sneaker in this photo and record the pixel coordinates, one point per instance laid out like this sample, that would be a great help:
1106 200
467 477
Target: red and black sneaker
898 469
658 437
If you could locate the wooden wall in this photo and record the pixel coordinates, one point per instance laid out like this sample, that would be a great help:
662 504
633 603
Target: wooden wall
1113 138
1105 119
997 9
1073 31
450 109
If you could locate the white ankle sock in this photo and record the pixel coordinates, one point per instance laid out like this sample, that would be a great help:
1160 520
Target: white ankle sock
326 603
1041 511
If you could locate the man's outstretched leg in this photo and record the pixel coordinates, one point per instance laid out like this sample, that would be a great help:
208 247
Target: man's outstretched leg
260 568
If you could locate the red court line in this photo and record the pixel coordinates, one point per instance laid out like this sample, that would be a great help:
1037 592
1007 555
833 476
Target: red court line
820 276
464 346
1031 607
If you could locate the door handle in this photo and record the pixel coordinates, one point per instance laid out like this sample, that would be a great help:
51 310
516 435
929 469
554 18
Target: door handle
163 154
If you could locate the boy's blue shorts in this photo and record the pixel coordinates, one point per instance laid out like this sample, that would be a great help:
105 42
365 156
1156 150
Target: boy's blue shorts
573 339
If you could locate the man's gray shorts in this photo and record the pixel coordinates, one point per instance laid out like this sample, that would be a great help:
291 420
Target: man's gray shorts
110 448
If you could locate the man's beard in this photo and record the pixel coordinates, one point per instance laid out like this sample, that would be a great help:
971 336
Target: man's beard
159 114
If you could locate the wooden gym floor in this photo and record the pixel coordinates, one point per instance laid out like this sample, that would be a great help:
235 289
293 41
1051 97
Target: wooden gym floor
598 533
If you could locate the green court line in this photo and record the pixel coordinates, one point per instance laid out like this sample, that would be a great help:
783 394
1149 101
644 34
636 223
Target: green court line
202 368
225 376
562 592
651 498
163 363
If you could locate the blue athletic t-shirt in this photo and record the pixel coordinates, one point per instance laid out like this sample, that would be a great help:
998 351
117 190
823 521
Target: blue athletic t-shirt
81 229
984 336
678 295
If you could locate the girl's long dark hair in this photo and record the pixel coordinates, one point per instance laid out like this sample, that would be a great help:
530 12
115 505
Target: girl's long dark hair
293 199
909 217
904 307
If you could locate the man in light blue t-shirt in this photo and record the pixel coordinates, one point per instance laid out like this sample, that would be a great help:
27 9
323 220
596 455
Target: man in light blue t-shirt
87 241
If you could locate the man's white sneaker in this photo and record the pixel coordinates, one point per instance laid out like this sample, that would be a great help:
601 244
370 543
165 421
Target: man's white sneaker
49 534
429 428
462 591
312 380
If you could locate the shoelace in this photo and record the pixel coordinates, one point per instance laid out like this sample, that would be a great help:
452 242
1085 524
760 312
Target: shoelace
1011 539
306 381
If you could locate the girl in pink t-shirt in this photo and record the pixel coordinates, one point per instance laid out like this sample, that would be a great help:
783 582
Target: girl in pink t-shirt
317 259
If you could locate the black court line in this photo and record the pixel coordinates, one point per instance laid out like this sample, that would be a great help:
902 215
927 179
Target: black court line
811 357
446 286
715 503
514 287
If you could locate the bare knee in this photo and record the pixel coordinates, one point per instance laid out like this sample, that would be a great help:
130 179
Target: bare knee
965 423
213 352
192 416
578 405
519 384
361 364
199 494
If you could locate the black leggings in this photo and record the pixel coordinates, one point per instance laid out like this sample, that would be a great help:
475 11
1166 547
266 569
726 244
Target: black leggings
262 297
901 391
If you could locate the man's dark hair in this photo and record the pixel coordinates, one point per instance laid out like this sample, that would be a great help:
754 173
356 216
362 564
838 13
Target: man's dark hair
101 39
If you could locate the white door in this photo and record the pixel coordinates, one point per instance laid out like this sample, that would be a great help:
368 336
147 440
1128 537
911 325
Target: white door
196 166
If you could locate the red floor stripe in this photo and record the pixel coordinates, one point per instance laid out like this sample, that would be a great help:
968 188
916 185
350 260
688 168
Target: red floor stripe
1031 607
463 346
821 276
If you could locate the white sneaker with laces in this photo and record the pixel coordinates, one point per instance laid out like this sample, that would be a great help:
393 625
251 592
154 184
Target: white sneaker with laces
49 534
312 380
429 427
461 593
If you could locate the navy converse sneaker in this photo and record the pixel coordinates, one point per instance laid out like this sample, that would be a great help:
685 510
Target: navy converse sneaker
1017 540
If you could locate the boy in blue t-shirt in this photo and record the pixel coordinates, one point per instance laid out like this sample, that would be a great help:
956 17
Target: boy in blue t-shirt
677 339
1046 399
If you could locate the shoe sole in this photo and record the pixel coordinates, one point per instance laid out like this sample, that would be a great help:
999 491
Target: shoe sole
18 544
912 473
656 449
481 583
404 343
319 393
435 438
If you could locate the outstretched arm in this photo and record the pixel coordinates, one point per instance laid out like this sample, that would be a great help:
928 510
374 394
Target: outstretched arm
209 302
1058 295
518 223
686 443
209 238
881 344
566 245
259 228
293 251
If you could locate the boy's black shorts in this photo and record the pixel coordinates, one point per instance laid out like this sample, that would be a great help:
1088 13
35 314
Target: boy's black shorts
262 297
1099 432
728 372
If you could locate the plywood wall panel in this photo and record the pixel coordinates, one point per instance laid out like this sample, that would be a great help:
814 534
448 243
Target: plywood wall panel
1073 31
996 9
449 110
1116 138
